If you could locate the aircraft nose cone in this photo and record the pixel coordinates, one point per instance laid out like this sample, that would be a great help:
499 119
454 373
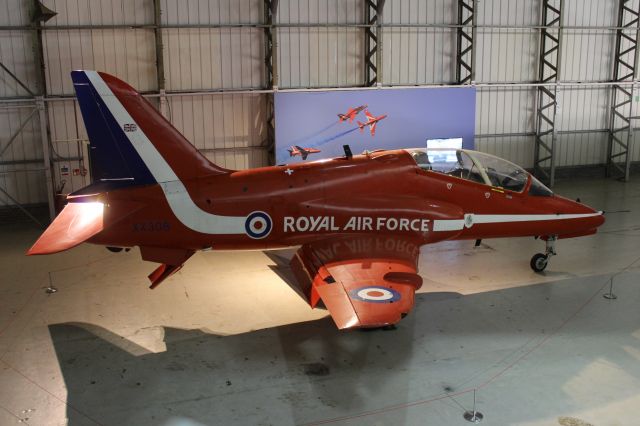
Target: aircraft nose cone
586 219
600 219
596 217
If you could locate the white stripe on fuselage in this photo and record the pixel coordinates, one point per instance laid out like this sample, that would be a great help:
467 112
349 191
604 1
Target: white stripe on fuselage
471 219
180 202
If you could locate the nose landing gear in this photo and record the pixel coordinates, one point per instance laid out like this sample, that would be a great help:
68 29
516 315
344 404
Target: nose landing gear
539 261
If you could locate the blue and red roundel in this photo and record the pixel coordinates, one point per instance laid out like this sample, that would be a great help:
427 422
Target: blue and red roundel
375 294
258 225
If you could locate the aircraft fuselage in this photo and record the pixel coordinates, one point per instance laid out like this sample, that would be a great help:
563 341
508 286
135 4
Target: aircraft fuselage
380 193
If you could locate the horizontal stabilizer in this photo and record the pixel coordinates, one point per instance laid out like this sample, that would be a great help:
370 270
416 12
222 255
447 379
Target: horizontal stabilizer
76 223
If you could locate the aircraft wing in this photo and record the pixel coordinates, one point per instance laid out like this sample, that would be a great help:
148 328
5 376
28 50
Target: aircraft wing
364 282
372 127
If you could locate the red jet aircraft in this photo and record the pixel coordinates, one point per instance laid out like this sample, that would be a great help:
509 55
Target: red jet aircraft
371 122
359 220
351 114
303 152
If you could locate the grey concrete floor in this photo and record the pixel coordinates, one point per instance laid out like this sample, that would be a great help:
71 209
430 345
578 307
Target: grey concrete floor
226 341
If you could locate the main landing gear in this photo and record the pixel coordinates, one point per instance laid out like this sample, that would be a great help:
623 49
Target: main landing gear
539 261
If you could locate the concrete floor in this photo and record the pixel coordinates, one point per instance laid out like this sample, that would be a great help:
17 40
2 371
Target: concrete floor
226 341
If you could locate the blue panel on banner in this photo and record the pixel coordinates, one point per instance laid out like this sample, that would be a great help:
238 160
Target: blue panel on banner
370 119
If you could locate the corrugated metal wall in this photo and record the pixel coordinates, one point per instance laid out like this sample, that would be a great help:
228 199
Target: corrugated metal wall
213 47
320 44
21 163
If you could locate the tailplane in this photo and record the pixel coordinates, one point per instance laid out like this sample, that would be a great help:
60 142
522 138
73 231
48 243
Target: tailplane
76 223
131 143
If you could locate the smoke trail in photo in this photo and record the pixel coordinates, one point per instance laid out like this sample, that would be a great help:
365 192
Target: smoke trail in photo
308 141
334 137
305 140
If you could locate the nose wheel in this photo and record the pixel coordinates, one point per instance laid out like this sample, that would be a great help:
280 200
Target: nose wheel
539 261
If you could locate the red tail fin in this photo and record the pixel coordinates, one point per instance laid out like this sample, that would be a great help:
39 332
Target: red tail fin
127 133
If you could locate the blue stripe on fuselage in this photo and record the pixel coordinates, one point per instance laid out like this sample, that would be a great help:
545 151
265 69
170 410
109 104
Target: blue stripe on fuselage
113 158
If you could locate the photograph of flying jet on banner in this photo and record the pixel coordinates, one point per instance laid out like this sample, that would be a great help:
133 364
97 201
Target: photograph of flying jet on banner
371 122
302 152
368 120
351 113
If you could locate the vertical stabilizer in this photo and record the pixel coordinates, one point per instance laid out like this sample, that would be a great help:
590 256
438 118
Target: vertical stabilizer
131 143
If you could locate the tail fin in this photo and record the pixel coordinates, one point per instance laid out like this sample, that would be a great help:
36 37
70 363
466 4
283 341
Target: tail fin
361 125
131 143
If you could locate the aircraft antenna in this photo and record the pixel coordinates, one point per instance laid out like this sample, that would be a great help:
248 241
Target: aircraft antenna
347 151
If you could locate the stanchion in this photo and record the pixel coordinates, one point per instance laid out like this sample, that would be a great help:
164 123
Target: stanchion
610 295
50 289
473 416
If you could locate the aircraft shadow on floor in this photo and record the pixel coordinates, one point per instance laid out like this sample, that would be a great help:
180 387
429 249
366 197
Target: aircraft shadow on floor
307 371
199 373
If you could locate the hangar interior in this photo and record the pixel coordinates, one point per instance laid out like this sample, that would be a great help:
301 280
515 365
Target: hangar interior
229 342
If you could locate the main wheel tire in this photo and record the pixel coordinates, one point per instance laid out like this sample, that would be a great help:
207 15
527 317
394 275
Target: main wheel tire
539 262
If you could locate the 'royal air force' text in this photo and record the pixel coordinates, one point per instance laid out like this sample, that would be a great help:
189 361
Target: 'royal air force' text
355 223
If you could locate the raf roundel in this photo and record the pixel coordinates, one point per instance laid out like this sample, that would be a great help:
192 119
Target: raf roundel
375 294
258 225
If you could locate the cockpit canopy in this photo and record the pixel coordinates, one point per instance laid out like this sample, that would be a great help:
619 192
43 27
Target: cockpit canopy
477 167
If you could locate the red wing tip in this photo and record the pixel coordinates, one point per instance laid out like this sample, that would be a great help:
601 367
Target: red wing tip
37 250
372 326
355 322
